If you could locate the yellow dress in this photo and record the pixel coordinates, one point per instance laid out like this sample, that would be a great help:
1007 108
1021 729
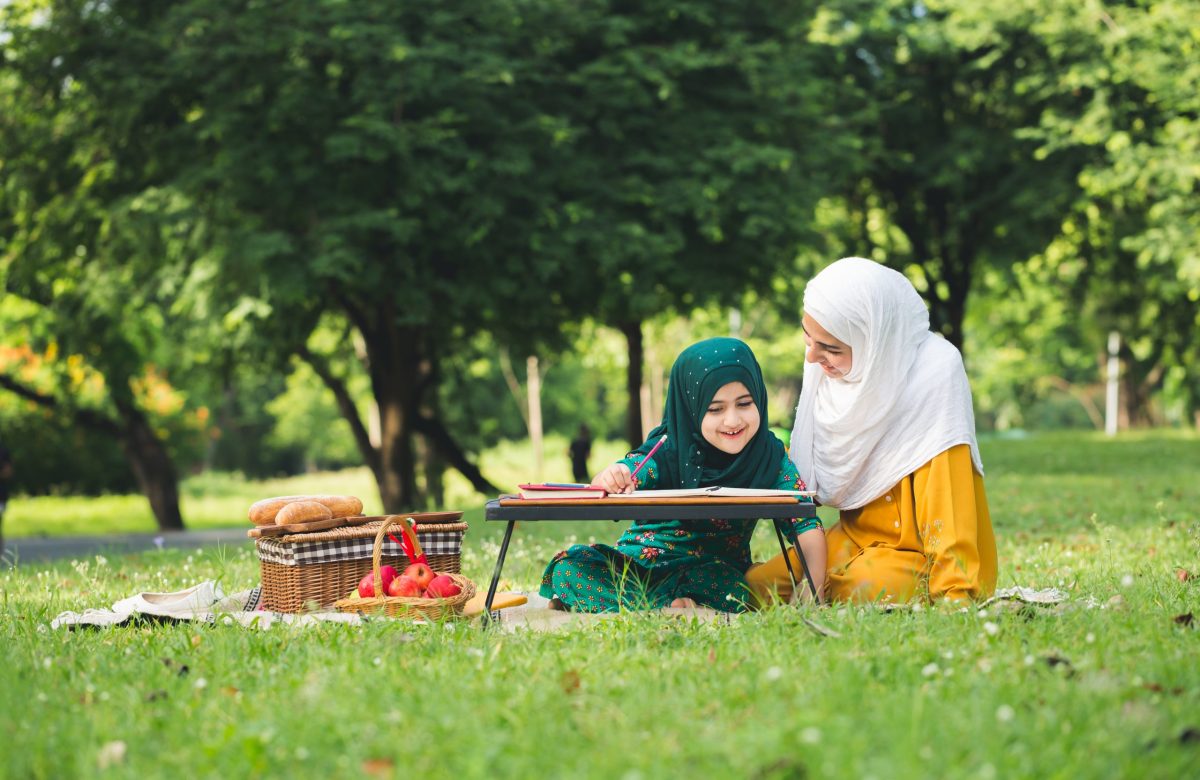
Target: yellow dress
930 535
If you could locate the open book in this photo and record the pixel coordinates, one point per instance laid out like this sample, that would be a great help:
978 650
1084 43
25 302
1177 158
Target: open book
714 491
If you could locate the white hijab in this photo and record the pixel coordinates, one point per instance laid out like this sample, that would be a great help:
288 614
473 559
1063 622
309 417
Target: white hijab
904 400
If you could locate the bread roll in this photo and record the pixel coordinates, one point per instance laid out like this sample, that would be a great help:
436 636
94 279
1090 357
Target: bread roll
302 512
340 506
263 512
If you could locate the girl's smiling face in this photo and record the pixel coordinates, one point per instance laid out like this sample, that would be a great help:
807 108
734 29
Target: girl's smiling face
833 356
731 420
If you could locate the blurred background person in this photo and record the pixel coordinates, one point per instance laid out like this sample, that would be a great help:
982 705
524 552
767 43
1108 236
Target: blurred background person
580 449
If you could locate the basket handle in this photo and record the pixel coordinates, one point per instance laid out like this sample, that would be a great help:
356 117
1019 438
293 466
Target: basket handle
377 554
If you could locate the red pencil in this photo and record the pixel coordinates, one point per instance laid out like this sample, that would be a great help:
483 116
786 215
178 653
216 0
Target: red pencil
649 455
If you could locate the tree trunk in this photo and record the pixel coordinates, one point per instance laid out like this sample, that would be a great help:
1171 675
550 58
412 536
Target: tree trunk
149 459
152 467
533 388
434 469
633 381
394 385
401 379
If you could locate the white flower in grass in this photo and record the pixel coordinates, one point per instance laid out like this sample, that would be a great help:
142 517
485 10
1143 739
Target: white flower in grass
47 662
990 628
201 683
1005 713
810 735
1090 638
773 673
930 669
111 753
377 661
1127 580
1029 660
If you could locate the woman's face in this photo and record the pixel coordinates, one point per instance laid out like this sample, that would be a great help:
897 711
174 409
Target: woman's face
831 355
732 419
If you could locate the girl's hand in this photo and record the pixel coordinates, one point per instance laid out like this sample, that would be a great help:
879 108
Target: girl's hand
615 479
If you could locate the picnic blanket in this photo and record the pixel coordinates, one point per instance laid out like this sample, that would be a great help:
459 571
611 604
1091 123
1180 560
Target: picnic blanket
207 603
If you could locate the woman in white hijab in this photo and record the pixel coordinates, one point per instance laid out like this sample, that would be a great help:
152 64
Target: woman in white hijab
885 433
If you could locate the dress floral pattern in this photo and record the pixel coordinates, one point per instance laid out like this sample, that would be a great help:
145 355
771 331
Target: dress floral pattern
655 563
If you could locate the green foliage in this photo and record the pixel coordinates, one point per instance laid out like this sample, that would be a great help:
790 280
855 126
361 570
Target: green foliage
944 96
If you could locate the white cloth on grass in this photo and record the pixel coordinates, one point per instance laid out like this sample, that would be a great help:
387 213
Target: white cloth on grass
205 602
904 401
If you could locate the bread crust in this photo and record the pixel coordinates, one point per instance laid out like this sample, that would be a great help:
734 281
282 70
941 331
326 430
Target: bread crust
302 512
341 506
263 512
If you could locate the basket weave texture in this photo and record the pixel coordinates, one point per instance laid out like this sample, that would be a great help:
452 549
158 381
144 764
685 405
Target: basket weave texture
312 571
406 606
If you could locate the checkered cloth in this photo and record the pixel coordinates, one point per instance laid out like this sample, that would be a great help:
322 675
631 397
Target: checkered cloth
306 553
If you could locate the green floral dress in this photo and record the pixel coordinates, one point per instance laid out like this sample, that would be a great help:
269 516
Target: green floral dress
655 563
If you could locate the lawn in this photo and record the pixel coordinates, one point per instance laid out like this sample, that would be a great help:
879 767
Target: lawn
1106 685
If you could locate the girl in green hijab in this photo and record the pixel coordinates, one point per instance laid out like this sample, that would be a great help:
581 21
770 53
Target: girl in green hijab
715 420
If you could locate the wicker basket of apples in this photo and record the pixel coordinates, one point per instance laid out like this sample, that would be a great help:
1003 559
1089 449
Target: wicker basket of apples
418 592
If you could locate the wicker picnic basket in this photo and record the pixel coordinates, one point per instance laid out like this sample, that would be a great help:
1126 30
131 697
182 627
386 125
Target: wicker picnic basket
313 570
406 606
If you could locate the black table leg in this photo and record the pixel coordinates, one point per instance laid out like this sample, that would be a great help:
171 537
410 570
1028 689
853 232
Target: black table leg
787 560
491 594
800 555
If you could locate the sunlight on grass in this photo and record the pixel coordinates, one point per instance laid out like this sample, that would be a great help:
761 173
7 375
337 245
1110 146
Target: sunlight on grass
1104 685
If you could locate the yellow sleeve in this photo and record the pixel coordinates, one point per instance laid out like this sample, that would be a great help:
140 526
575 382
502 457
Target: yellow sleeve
955 526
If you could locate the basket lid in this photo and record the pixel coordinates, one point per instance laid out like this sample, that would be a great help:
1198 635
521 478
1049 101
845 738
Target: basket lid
427 522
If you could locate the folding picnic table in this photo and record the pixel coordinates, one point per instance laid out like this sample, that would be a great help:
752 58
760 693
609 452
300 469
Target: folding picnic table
615 509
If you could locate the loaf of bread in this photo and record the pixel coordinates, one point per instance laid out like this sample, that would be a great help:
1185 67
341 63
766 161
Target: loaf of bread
341 506
265 512
302 512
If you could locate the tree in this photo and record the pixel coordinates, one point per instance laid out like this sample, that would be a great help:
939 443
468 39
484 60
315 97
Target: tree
948 98
1130 246
93 246
700 142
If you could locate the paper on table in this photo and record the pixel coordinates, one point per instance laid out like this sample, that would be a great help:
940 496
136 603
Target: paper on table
714 490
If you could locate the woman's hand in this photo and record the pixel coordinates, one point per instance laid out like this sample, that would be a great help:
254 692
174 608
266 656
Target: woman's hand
615 479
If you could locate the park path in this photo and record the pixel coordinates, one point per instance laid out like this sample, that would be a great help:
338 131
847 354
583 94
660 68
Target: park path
25 550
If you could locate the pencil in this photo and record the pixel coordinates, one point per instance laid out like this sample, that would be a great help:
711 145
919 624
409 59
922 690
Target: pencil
649 455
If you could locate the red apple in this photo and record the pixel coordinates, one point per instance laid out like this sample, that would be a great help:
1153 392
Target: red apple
404 586
366 586
387 574
421 573
442 587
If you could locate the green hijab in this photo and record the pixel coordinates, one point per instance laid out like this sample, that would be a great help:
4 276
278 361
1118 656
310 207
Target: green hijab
687 460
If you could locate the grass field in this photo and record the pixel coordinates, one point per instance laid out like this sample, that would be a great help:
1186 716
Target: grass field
1107 685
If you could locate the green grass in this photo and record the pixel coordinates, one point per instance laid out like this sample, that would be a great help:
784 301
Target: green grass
1106 686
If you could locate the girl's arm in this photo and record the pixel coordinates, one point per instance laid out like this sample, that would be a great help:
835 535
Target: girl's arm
812 544
617 477
810 536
